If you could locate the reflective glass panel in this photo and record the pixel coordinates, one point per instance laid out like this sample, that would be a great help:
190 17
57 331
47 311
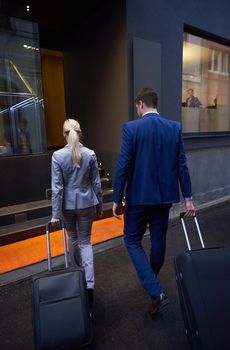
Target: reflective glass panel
205 85
21 101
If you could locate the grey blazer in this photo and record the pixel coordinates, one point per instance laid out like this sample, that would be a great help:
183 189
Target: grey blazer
73 187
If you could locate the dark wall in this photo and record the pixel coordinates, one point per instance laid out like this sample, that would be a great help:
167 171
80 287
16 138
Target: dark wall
162 21
24 179
146 69
96 80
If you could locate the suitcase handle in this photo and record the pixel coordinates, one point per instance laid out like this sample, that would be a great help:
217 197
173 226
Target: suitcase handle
185 231
49 247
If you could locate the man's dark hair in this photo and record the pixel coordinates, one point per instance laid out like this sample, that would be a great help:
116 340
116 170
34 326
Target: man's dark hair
147 96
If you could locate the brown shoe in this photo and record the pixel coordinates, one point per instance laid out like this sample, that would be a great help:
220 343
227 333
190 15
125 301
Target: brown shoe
158 304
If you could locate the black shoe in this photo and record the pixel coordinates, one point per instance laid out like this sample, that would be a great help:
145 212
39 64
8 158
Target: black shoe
158 304
91 299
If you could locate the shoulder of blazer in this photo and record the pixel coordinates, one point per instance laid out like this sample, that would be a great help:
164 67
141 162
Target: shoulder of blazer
87 150
175 123
61 155
132 124
60 152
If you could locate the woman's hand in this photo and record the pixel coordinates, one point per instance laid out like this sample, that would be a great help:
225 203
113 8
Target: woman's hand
98 211
54 221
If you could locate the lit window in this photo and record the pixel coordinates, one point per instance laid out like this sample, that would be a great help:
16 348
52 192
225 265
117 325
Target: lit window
205 85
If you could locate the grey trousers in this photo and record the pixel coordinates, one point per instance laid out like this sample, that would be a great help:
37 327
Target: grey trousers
79 225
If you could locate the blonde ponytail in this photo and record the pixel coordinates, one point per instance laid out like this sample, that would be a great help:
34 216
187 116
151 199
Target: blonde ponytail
72 131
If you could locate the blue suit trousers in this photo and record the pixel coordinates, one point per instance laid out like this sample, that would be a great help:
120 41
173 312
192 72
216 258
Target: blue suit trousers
137 219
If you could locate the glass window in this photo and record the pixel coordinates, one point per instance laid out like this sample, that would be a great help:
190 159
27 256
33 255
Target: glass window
205 86
21 101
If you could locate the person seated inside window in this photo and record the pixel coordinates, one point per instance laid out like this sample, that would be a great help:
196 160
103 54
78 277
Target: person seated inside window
191 100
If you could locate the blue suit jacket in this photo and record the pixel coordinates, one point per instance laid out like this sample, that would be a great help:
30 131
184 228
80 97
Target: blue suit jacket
152 162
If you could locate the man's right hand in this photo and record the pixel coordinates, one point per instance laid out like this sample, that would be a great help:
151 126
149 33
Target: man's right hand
189 207
116 207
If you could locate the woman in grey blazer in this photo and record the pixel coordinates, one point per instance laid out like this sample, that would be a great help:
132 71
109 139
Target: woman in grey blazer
76 196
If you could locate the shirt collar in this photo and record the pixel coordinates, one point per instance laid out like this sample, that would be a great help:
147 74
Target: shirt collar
149 113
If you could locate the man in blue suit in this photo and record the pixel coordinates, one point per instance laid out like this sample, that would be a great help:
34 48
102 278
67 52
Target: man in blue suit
151 166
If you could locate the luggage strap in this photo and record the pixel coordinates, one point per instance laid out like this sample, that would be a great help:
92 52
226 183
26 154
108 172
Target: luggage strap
185 231
49 248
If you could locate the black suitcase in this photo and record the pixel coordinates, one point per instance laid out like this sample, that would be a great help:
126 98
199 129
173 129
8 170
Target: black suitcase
203 281
61 317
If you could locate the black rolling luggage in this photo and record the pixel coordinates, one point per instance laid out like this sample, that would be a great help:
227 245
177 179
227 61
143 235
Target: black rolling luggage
203 280
61 316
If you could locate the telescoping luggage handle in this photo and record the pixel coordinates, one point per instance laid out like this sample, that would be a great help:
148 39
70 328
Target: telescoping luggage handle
185 231
49 248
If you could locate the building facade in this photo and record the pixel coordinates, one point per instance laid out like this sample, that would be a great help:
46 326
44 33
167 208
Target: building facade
186 36
92 66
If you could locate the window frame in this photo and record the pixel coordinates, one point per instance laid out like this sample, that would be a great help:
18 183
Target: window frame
219 138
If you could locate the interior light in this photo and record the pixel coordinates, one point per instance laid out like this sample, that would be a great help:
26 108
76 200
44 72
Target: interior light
29 47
